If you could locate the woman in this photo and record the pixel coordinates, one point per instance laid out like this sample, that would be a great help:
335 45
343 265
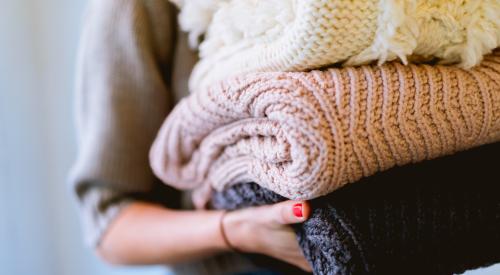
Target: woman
132 66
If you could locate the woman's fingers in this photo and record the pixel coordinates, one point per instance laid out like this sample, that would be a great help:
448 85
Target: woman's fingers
265 230
289 212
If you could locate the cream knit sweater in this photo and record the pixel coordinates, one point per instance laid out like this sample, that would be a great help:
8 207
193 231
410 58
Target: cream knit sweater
244 36
303 135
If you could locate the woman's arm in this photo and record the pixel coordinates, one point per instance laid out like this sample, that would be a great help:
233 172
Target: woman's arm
122 99
145 234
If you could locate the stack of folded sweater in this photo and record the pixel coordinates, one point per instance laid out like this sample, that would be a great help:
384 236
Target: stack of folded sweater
276 130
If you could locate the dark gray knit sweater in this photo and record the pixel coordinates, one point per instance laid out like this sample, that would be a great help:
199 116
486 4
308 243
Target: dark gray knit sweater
436 217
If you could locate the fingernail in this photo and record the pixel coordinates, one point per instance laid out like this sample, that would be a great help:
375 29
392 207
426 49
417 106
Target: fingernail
297 210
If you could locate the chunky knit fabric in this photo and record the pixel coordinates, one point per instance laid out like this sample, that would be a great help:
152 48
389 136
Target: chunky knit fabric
303 135
244 36
437 217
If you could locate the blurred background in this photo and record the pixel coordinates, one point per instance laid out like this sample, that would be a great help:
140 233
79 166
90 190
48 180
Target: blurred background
39 226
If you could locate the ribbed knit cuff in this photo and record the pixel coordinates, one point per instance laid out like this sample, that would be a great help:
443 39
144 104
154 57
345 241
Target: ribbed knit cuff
99 209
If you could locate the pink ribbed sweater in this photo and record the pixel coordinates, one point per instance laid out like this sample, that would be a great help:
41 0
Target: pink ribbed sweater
303 135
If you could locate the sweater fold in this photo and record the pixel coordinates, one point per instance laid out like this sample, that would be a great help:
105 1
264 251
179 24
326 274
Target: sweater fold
304 135
247 36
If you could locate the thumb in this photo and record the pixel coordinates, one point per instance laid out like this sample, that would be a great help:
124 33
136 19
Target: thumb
290 212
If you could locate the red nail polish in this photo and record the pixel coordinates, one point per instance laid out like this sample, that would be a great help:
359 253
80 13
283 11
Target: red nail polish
297 210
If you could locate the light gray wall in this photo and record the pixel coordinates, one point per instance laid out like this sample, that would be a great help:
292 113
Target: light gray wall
39 229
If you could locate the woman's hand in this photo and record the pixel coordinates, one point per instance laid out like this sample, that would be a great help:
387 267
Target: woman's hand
265 230
148 234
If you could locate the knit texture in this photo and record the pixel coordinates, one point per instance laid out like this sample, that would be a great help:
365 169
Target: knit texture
242 36
303 135
436 217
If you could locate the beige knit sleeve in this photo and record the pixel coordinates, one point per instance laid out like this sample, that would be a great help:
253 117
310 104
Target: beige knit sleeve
121 100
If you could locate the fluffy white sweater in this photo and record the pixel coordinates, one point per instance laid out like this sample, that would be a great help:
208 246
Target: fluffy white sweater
294 35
